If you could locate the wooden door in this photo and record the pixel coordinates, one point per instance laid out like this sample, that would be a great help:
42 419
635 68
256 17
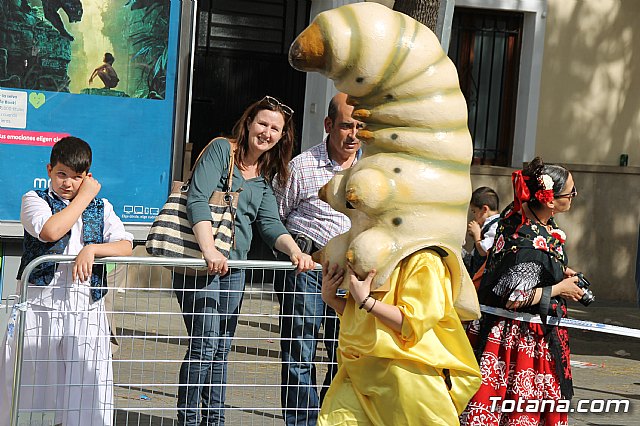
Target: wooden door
241 56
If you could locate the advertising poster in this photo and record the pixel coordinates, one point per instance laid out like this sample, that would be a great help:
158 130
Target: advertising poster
100 70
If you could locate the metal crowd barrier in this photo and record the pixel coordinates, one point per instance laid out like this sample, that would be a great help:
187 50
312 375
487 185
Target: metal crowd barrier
147 324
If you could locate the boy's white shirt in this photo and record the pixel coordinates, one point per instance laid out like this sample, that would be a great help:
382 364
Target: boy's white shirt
490 234
62 293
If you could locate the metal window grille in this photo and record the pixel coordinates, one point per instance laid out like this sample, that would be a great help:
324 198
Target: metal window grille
485 46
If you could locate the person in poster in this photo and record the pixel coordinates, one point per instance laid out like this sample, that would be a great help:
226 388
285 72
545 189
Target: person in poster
40 52
106 72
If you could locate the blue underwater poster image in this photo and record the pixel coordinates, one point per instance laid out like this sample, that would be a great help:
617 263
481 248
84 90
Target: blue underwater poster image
104 71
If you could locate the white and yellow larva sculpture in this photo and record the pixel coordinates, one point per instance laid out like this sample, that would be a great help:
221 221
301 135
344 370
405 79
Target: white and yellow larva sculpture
411 188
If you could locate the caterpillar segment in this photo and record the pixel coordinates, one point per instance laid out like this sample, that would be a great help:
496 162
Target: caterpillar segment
389 182
392 237
333 194
358 67
438 144
411 187
437 77
444 109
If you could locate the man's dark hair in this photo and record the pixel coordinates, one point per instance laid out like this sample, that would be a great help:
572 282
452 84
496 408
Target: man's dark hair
485 196
72 152
108 58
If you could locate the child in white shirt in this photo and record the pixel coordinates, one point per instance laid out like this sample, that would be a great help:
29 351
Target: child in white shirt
482 229
67 374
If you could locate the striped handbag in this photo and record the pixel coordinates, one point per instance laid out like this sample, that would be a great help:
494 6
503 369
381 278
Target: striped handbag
171 234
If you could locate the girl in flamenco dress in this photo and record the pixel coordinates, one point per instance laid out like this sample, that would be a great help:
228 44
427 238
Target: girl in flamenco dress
526 272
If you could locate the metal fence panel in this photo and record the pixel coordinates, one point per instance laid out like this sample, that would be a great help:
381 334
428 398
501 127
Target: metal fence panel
149 341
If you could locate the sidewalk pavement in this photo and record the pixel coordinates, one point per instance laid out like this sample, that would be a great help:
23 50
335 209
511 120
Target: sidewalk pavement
605 366
604 344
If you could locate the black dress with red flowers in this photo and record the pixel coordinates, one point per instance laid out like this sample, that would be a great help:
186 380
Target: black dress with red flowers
521 360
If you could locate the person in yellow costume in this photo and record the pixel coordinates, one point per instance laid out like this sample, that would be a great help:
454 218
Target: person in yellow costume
404 358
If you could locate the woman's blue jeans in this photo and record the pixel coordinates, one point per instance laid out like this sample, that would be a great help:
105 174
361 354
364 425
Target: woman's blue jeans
210 307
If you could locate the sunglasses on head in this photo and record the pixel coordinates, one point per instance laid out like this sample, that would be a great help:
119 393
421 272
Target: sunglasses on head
571 194
275 103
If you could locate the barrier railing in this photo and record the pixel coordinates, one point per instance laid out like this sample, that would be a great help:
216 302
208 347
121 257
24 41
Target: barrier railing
147 323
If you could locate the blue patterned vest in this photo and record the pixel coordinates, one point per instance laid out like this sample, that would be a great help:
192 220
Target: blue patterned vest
92 231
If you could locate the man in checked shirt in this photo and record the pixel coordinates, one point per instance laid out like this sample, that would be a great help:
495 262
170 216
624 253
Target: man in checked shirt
312 223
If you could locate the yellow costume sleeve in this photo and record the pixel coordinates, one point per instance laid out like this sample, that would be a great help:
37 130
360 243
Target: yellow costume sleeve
420 294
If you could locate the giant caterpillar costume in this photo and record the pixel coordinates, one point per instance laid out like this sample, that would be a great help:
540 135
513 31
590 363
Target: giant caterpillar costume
411 188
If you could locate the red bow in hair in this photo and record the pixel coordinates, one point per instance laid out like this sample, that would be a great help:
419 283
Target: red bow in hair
521 192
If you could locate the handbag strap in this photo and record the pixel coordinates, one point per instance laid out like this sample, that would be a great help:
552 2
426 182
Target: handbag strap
230 172
195 163
231 162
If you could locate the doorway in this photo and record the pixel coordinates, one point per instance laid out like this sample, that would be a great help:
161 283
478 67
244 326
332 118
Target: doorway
241 55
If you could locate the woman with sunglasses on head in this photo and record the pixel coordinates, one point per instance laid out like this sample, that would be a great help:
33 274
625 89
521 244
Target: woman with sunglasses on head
262 143
525 363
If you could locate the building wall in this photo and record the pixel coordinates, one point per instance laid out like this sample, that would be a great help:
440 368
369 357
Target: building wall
589 114
590 91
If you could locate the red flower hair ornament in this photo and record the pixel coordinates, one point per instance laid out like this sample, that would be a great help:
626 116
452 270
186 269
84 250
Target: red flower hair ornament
521 194
545 193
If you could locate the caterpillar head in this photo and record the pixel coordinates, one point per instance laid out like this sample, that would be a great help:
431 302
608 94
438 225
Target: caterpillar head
359 45
307 53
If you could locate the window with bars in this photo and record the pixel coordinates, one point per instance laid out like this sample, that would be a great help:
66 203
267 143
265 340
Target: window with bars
485 46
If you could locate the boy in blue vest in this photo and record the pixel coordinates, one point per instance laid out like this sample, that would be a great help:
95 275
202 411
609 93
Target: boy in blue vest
482 229
67 374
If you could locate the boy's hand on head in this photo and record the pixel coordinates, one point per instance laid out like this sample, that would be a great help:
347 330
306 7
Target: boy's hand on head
84 264
90 187
473 229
